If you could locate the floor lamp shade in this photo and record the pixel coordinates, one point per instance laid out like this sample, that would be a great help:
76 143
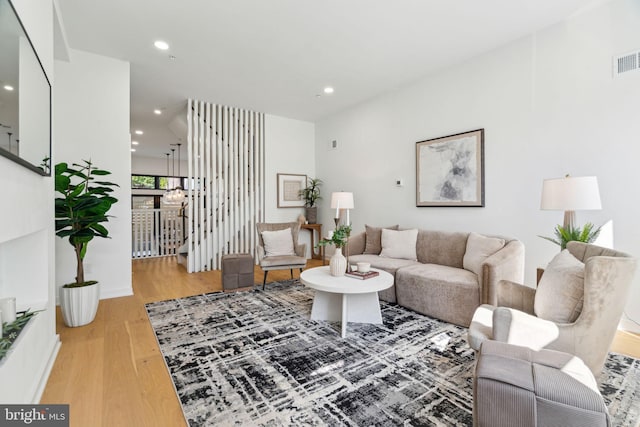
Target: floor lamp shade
570 194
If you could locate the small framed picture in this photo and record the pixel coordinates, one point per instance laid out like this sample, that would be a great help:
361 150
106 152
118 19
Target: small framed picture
450 170
289 187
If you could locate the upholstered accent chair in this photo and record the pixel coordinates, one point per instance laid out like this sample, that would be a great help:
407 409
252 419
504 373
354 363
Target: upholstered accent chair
276 251
575 309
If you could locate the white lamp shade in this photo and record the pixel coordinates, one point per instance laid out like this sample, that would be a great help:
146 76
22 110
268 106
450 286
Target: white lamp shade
342 200
571 194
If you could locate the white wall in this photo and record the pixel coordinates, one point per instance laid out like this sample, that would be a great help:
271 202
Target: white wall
549 106
289 149
92 119
154 166
27 244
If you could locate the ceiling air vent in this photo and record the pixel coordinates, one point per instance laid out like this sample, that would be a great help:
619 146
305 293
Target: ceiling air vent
626 63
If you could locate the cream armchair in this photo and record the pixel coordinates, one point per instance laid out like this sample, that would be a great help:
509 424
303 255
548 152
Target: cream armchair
607 278
280 262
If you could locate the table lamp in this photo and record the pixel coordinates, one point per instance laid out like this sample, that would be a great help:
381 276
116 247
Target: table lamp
341 200
570 194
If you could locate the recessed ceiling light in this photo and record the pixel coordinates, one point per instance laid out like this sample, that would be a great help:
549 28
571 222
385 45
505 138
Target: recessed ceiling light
162 45
139 132
134 142
8 87
328 89
157 111
133 149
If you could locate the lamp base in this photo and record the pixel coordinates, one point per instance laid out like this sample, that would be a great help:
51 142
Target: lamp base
569 220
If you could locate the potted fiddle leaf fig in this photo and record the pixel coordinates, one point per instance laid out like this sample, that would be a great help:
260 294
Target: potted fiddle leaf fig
81 210
311 194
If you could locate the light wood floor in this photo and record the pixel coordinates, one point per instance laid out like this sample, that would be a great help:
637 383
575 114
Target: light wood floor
111 372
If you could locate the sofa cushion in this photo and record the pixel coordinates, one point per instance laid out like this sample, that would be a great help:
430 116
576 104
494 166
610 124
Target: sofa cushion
441 247
479 248
399 244
373 237
447 293
278 243
560 293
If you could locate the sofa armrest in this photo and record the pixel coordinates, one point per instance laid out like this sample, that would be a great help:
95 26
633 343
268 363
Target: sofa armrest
356 244
506 264
514 295
518 328
260 251
301 250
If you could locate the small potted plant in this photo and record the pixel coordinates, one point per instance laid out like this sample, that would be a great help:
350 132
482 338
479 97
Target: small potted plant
339 238
311 194
80 213
567 234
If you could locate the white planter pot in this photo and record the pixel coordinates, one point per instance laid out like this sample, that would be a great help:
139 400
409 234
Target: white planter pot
337 263
79 305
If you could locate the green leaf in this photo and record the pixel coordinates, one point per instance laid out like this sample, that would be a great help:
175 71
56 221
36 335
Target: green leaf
83 250
76 191
100 172
100 229
61 183
60 168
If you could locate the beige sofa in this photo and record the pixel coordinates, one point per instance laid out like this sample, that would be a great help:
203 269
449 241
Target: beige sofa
437 284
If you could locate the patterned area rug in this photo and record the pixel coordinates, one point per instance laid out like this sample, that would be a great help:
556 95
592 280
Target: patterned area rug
255 358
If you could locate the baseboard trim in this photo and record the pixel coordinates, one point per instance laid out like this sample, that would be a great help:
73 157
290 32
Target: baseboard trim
116 293
628 325
42 384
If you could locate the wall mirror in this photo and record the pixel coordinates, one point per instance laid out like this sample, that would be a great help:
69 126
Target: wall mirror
25 97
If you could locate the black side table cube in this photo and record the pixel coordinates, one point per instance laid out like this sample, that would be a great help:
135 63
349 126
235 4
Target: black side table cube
237 271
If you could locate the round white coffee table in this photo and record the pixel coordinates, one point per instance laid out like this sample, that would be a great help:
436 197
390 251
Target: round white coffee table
345 299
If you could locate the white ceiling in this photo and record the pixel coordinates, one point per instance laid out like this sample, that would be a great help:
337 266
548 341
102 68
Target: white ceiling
276 56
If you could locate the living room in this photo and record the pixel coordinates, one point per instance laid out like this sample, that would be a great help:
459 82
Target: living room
547 101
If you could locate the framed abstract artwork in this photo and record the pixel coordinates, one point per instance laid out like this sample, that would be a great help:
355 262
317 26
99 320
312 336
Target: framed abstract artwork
289 187
450 170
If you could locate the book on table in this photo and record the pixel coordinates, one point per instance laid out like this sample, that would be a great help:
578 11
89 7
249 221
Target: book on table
362 276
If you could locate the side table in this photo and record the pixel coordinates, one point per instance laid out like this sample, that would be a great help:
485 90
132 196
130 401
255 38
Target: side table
315 228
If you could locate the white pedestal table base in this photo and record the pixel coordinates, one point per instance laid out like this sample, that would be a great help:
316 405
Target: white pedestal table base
344 308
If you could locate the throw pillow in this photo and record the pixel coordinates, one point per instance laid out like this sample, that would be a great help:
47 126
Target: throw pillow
399 244
373 236
479 248
277 243
560 293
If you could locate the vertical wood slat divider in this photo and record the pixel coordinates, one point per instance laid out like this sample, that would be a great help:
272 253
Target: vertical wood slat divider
201 247
196 199
190 193
219 185
226 161
210 174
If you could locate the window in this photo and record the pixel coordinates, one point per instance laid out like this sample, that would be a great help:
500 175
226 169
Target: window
143 181
155 182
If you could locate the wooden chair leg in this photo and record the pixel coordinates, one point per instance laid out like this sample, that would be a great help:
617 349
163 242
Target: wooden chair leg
264 281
